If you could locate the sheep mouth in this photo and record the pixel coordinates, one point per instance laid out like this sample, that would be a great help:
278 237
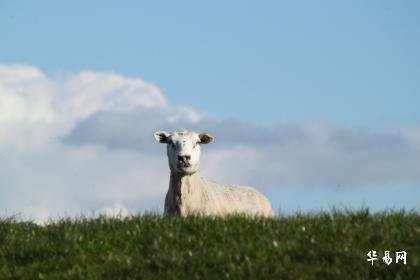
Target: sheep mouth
184 164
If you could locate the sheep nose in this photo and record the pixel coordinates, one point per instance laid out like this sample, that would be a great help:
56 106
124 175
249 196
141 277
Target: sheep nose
184 159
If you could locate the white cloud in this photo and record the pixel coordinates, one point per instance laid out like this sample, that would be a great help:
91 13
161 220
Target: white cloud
41 176
27 96
83 143
116 210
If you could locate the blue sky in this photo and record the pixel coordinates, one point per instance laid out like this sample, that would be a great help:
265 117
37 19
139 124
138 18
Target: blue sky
353 63
319 101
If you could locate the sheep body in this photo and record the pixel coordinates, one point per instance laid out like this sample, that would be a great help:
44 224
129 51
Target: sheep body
195 195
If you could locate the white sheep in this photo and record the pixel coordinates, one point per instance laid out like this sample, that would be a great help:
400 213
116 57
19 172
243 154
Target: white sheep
191 194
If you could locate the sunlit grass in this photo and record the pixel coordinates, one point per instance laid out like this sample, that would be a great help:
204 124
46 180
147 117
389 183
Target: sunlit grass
325 245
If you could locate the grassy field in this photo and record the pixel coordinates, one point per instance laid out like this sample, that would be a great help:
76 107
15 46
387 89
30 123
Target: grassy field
330 245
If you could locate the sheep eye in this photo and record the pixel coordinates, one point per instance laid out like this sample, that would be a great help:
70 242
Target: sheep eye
172 144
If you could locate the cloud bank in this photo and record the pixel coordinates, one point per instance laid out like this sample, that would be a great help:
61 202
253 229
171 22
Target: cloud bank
82 143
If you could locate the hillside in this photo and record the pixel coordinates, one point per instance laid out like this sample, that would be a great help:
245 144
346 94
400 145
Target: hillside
330 245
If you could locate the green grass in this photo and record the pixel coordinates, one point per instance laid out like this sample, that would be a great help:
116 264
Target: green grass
328 245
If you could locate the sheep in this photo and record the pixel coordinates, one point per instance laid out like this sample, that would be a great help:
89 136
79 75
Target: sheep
191 194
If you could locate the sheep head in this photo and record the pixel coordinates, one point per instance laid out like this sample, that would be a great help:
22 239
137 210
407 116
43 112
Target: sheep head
183 149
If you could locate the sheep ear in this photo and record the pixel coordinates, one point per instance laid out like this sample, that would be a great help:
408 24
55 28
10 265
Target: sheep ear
161 136
205 138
